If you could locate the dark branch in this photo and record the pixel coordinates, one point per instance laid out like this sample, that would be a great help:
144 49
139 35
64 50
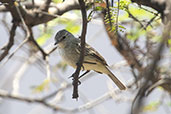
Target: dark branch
122 45
108 12
10 42
4 94
149 72
79 65
31 38
159 5
134 18
46 5
32 18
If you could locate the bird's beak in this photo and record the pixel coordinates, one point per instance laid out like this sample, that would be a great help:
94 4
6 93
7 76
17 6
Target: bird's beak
55 43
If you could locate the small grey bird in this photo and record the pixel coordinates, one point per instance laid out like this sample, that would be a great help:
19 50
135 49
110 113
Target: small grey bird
70 47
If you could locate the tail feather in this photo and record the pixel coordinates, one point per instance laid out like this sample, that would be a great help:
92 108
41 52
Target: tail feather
120 85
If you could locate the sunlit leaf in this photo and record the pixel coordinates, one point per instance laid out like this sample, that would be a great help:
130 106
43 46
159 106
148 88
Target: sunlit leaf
70 21
140 13
121 27
169 43
153 106
43 38
43 86
72 27
123 4
57 1
135 33
98 8
124 17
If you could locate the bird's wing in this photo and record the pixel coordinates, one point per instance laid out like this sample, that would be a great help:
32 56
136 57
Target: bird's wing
94 56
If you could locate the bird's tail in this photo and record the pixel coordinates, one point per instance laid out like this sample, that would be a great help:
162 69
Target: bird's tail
120 85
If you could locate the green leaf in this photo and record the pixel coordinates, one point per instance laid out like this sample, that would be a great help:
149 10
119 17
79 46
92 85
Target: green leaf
123 4
140 13
153 106
98 8
70 21
43 38
72 27
135 33
124 17
57 1
43 86
121 27
169 42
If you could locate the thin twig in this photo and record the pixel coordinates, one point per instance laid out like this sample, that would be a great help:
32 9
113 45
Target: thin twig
65 86
19 74
108 11
134 18
117 17
111 94
26 29
12 54
22 20
52 50
161 82
48 73
112 2
5 94
33 2
46 7
47 14
151 20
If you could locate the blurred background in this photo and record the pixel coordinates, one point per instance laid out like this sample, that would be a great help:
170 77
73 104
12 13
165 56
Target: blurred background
25 74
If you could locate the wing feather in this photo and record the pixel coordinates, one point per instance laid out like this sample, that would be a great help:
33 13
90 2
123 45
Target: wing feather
91 52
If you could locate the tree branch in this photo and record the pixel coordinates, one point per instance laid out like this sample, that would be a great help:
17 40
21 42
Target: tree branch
79 64
5 94
159 5
31 38
16 6
46 5
32 18
122 45
108 12
10 42
149 72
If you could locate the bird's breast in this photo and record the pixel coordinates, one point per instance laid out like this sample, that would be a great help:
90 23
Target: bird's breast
69 55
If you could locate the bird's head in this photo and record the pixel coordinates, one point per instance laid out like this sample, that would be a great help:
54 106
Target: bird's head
62 36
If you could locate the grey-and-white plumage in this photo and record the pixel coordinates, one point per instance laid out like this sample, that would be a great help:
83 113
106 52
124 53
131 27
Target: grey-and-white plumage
70 47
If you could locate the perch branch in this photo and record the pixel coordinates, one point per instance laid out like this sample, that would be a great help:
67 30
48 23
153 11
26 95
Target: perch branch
79 64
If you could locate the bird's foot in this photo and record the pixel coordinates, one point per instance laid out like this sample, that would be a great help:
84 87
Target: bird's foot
79 82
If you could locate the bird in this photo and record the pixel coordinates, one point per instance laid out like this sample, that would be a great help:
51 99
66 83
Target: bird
70 48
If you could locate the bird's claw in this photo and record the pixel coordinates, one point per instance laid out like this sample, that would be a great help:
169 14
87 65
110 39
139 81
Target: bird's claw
70 76
79 82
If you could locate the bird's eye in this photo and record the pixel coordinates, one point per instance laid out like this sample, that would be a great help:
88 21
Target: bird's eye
63 37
